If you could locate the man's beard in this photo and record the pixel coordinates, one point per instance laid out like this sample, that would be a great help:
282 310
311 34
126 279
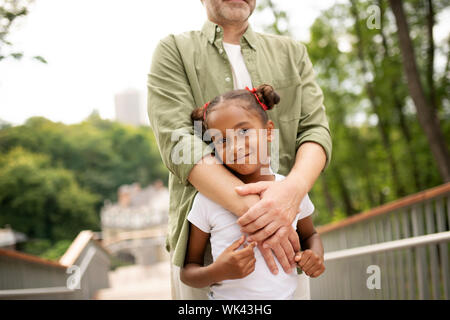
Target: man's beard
232 13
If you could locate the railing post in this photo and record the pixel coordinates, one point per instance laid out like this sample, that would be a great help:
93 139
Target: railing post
417 219
409 260
443 247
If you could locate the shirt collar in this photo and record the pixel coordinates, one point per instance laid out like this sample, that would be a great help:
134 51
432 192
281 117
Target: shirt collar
213 31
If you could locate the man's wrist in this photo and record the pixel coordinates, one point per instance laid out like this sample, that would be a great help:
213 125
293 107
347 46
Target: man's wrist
297 184
248 201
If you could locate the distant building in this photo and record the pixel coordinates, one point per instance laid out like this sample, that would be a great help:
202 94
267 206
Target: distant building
9 238
137 224
129 108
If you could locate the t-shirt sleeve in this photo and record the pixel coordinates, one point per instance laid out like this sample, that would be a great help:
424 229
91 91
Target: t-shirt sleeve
306 207
198 215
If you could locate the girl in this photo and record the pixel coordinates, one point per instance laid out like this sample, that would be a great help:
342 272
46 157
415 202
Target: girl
234 122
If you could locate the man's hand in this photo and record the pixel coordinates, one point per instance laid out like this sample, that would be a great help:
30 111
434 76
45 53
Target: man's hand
279 204
284 243
310 262
269 221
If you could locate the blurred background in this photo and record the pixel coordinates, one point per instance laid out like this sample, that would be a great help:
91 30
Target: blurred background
82 182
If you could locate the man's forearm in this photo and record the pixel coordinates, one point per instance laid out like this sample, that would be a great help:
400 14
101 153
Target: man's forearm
217 183
309 163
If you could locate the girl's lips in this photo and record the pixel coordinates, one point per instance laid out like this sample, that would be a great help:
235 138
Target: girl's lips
244 156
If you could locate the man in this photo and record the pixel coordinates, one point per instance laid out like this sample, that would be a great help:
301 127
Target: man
191 68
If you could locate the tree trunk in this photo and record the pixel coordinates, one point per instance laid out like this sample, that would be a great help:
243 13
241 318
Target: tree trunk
399 107
345 195
426 115
430 69
382 124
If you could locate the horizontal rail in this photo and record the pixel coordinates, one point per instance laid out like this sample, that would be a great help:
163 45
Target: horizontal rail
30 258
159 231
388 246
386 208
34 291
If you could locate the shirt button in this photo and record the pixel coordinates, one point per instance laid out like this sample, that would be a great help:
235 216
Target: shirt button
218 29
220 50
227 79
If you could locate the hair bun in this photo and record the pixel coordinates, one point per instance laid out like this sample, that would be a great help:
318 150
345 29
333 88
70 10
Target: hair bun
267 95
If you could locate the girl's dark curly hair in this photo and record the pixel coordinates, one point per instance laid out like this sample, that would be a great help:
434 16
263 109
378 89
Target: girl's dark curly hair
266 94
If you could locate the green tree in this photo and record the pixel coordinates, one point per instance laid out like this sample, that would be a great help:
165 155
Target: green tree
41 201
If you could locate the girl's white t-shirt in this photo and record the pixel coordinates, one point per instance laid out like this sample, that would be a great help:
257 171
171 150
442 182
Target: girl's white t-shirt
261 284
241 77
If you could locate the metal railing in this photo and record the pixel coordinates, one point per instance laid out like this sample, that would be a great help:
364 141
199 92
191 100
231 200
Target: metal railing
406 240
78 275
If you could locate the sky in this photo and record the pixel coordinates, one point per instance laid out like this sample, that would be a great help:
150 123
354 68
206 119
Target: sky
98 48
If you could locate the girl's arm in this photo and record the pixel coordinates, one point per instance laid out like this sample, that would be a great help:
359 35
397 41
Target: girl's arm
310 259
309 238
193 273
231 264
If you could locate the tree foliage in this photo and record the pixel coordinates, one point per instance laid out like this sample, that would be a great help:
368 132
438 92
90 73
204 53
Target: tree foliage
12 11
54 177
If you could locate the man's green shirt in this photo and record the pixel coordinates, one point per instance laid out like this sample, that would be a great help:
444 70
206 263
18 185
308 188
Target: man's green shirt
192 68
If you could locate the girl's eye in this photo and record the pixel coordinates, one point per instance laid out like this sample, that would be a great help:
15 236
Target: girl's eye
242 131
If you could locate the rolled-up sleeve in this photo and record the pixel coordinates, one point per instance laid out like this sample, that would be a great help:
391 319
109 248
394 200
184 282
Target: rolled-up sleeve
169 105
313 125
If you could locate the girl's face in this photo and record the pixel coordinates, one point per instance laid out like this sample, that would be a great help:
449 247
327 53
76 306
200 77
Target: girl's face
239 136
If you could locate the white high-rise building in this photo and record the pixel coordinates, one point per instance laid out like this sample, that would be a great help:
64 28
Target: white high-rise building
129 107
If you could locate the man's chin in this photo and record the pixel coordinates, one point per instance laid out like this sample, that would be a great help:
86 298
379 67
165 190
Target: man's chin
236 12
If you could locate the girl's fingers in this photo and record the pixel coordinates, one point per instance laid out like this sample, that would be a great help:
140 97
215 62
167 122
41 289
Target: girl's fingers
247 251
250 267
310 263
236 244
318 273
304 258
310 271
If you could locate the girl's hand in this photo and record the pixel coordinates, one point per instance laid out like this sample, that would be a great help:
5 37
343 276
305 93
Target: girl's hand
236 264
310 262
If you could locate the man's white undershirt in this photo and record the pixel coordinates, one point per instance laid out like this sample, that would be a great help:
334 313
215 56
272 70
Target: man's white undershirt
241 77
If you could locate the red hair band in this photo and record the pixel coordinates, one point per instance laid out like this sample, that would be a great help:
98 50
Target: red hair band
256 96
205 106
204 110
